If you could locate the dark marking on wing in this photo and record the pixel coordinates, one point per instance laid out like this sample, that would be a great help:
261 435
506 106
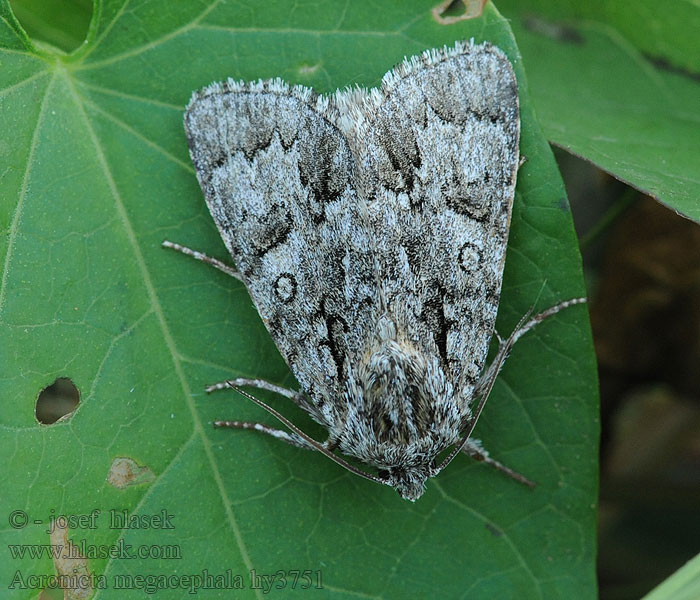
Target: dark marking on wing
437 321
275 234
336 327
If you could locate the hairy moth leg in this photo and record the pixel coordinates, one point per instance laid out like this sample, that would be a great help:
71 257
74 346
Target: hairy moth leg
297 397
256 383
474 449
214 262
289 437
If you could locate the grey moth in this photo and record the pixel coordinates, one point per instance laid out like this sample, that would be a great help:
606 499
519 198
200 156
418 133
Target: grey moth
370 229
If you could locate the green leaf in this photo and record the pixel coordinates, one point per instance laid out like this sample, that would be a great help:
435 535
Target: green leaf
59 23
618 83
96 174
684 584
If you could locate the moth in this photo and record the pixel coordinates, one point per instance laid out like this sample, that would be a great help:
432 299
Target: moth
370 229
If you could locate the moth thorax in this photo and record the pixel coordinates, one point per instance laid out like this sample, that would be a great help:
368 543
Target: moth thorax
395 394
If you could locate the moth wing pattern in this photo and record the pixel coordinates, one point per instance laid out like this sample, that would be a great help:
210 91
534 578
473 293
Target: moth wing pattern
438 144
277 176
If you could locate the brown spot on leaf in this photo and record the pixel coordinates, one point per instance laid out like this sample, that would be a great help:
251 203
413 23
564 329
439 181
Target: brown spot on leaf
71 566
125 472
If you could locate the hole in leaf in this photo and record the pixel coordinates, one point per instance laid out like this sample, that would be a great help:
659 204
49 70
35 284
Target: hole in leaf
452 11
56 401
62 24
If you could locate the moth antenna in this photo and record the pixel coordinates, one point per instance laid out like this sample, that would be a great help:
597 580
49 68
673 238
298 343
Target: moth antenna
320 447
482 401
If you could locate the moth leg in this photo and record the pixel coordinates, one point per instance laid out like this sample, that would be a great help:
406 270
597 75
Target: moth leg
229 270
256 383
297 397
289 437
474 449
